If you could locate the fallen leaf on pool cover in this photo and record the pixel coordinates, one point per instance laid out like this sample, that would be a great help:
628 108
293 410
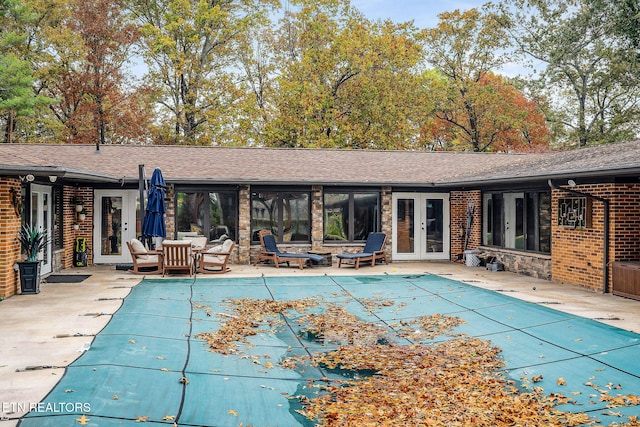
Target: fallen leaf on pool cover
83 420
457 382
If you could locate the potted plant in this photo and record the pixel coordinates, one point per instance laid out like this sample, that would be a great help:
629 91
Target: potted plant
76 226
32 241
82 215
79 205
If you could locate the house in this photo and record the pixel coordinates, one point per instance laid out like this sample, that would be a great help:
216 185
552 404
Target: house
569 216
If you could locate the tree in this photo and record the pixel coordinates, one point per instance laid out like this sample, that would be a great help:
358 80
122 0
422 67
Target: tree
344 81
473 108
17 96
504 119
93 44
591 84
189 47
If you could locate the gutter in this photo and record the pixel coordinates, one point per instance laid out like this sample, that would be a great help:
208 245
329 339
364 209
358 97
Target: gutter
605 253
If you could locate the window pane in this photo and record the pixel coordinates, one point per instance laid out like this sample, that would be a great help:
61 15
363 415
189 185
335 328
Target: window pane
214 215
295 217
286 215
497 224
264 213
365 217
406 226
223 217
435 225
519 225
336 217
544 230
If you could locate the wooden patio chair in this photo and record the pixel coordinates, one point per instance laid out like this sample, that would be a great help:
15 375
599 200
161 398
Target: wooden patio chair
373 251
144 261
214 260
269 252
177 255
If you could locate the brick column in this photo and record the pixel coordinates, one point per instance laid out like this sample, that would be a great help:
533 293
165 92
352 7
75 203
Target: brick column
459 203
9 228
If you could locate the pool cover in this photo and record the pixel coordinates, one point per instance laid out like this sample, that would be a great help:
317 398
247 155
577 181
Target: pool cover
147 365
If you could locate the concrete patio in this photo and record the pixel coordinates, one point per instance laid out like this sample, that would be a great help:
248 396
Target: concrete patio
42 334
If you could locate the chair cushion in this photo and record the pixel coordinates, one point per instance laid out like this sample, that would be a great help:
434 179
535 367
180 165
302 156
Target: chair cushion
226 246
214 250
138 247
354 256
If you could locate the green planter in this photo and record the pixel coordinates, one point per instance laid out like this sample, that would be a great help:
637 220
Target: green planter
29 277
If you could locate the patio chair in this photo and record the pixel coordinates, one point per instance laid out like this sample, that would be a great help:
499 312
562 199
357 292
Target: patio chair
177 255
144 261
214 260
269 252
373 251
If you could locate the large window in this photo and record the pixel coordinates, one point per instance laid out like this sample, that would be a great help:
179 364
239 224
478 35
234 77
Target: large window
213 214
518 220
286 214
350 216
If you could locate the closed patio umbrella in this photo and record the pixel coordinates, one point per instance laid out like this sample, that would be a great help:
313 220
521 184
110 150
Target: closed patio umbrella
154 224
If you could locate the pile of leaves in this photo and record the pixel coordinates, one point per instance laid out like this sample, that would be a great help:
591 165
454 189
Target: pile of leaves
457 382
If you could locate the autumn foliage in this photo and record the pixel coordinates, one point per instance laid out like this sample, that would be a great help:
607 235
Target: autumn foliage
488 115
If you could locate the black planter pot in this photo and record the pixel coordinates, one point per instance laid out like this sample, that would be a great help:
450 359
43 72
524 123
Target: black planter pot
29 277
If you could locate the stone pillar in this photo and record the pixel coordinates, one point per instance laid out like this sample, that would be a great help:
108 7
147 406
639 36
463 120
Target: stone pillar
317 220
244 225
386 203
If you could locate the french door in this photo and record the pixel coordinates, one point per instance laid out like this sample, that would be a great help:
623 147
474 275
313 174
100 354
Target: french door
420 226
514 225
115 222
41 217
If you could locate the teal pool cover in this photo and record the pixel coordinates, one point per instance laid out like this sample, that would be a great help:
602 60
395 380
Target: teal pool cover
148 366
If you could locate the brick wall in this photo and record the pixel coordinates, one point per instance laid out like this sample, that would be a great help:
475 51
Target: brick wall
69 215
459 202
9 229
578 252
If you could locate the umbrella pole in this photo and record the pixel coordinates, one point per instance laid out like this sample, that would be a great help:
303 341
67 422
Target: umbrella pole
141 188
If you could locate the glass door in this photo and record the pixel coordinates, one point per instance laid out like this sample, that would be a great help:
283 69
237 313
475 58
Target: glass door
420 226
41 214
115 222
514 225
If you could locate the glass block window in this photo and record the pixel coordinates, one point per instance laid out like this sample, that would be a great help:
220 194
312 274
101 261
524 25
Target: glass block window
574 212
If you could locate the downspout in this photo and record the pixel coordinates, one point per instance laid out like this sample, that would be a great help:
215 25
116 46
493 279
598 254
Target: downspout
605 255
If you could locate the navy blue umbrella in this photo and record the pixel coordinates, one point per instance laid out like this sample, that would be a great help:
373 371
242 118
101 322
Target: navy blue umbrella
153 224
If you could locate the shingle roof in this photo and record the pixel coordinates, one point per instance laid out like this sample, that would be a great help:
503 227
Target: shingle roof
314 166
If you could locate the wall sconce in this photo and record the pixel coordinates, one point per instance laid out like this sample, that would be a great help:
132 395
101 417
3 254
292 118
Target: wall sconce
571 183
16 201
53 178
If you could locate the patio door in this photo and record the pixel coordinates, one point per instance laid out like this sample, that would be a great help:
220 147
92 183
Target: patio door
41 217
514 224
115 222
420 226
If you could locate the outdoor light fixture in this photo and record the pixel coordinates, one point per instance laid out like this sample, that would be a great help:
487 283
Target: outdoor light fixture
571 183
53 178
30 178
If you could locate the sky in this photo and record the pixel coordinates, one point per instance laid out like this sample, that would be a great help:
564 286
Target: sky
424 13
